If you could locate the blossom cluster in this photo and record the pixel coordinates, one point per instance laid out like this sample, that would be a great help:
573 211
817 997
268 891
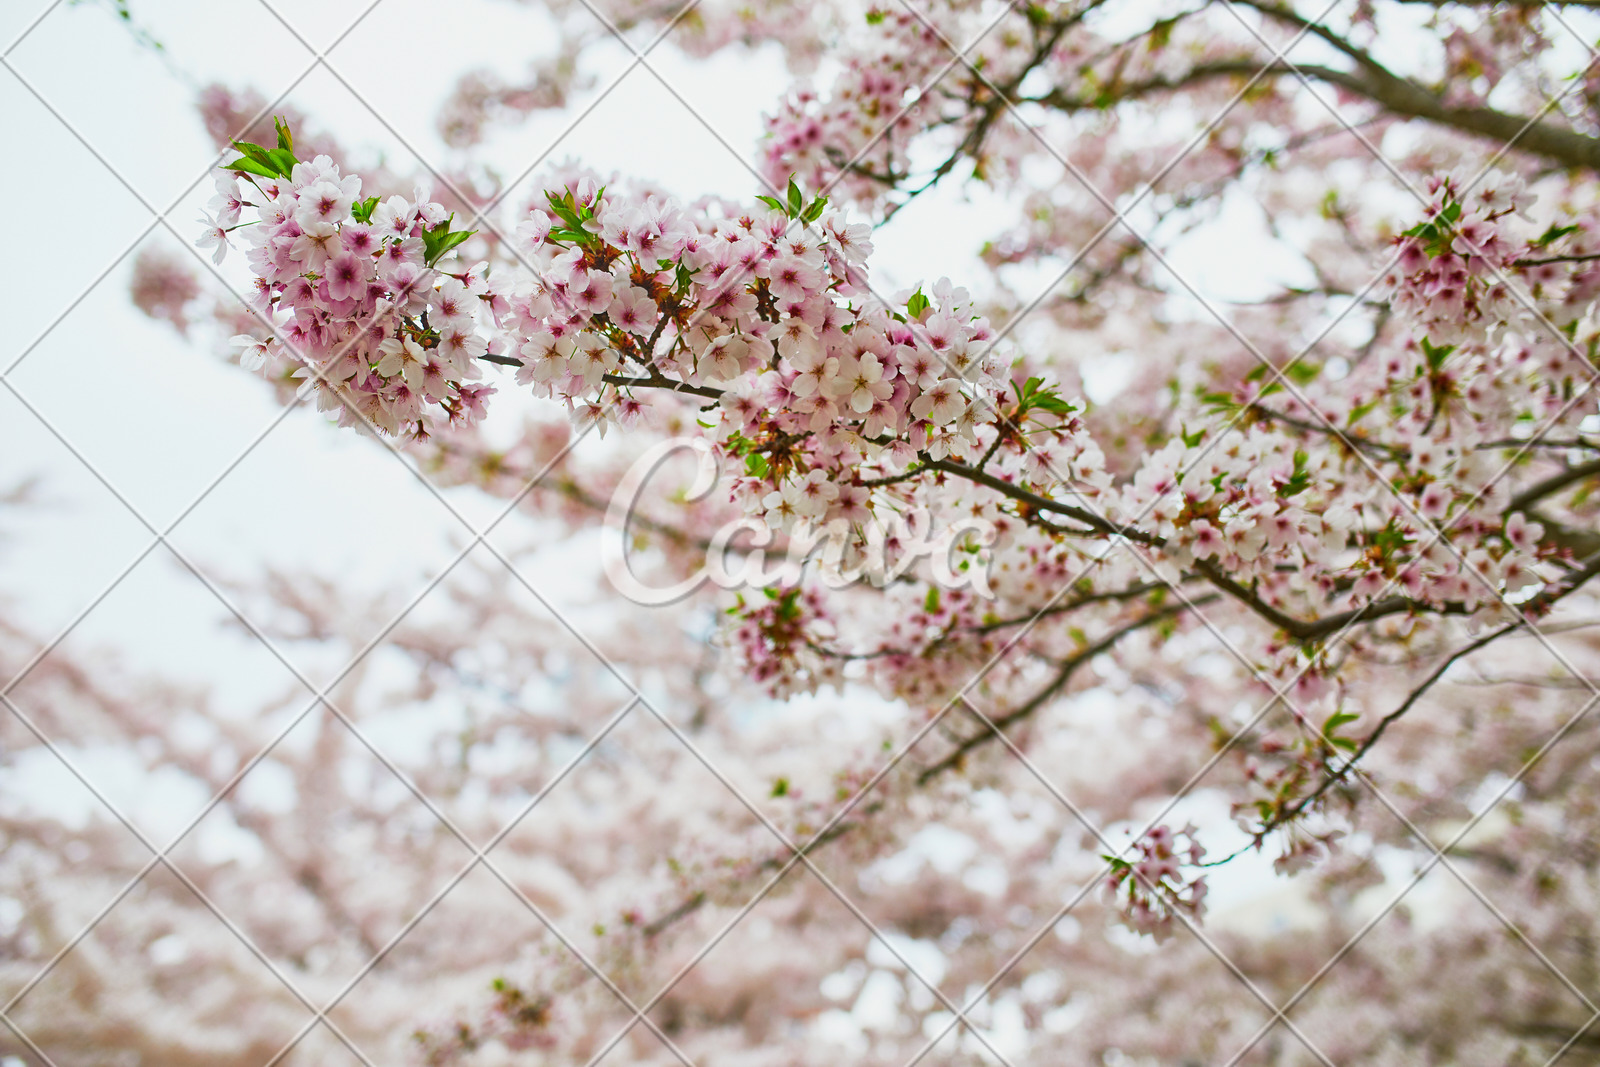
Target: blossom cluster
820 387
1476 262
1152 888
353 290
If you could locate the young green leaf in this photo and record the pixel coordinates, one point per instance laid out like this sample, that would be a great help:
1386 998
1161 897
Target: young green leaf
361 210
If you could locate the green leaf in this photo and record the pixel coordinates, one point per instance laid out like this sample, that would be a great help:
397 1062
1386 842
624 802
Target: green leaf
361 210
1161 34
814 211
1301 372
917 304
452 241
564 210
1361 411
930 604
1300 480
1049 401
1552 235
1035 394
250 166
756 465
771 201
875 16
780 788
1436 354
796 201
268 162
439 241
1330 728
285 138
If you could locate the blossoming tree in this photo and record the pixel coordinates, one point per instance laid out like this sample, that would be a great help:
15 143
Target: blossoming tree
1310 583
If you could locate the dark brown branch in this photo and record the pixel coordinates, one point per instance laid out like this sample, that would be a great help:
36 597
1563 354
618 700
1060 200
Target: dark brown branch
1554 259
1326 625
1266 414
1040 503
1543 600
1555 483
1065 669
1395 95
661 381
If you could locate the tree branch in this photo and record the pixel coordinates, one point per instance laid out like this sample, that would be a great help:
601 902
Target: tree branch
1063 674
1395 95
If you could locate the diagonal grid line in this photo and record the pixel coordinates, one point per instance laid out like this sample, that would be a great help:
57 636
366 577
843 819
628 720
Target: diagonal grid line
934 721
410 786
1119 216
1427 866
160 216
1191 925
30 27
477 858
188 883
319 697
141 517
1301 717
503 560
658 75
898 756
1365 460
1438 535
1449 864
1276 372
1280 694
160 855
